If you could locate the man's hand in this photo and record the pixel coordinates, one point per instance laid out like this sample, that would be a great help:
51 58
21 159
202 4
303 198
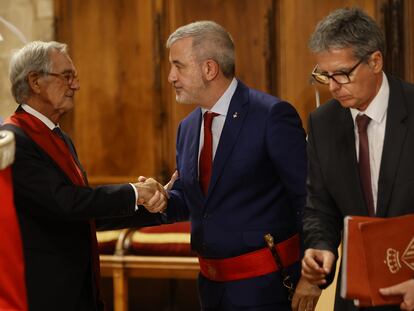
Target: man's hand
156 203
168 186
306 296
404 289
316 265
152 195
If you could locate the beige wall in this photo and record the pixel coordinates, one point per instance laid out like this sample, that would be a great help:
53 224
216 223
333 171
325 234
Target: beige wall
34 18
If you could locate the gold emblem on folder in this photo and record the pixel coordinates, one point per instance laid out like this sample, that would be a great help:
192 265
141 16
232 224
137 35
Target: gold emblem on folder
392 259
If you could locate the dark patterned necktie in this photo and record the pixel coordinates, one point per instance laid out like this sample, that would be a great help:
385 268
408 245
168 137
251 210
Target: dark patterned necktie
362 122
69 143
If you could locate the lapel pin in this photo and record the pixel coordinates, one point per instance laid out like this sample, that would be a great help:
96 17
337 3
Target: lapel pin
235 115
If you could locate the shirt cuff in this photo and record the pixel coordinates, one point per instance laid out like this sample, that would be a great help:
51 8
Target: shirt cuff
136 196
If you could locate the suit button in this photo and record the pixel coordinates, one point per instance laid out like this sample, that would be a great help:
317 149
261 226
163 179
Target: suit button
205 216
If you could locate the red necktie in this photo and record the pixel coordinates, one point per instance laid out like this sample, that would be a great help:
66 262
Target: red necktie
206 155
363 165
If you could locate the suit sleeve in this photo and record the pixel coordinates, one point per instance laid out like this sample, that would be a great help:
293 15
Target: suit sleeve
141 218
286 142
322 221
42 189
177 209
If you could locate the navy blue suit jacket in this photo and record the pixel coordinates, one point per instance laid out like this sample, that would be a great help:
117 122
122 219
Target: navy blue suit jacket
257 187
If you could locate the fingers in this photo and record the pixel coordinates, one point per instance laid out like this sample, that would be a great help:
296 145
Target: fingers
313 272
316 265
157 203
404 289
393 290
295 302
170 184
306 296
152 195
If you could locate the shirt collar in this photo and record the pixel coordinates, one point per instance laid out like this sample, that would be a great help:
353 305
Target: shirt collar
377 109
40 116
222 105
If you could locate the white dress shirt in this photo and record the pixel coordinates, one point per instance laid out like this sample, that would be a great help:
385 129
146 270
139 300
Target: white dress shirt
220 107
377 111
40 116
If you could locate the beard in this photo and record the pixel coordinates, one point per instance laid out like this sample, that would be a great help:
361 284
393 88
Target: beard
185 100
192 94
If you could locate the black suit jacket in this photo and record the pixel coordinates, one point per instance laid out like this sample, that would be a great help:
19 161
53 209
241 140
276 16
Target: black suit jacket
54 219
334 189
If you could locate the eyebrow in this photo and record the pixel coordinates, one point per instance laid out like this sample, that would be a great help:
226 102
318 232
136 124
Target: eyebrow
342 70
69 71
177 62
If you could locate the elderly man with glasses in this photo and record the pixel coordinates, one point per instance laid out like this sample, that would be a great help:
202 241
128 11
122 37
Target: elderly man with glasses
55 207
360 145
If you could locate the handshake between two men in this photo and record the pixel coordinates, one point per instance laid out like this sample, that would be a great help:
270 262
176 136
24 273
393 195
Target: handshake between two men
152 195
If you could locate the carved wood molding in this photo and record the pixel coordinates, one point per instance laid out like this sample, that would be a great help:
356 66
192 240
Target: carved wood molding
392 19
409 40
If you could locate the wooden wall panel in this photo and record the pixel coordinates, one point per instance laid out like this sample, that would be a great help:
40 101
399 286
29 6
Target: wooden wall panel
125 120
295 22
113 122
409 40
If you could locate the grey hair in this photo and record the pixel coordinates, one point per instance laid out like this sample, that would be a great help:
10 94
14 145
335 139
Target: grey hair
33 57
348 28
210 40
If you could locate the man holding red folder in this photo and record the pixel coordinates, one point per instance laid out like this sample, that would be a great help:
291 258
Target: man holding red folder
360 144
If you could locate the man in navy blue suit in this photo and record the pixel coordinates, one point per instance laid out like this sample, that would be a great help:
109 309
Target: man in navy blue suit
241 159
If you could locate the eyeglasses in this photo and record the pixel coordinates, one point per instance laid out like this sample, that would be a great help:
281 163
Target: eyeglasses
340 77
68 76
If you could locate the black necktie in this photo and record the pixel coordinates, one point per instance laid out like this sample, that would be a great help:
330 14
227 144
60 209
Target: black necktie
363 164
69 143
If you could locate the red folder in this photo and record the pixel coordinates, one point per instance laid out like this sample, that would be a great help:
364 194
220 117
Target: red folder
377 253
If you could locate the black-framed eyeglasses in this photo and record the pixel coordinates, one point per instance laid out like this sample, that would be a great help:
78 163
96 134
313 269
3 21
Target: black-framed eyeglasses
68 76
340 77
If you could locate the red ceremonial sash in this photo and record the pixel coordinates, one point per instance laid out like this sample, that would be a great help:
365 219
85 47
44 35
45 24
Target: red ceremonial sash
59 151
12 279
50 143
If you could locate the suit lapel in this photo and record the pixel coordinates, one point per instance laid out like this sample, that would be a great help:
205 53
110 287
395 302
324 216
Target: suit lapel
234 120
194 140
395 133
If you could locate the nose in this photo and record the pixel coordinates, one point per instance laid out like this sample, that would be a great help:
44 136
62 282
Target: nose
172 77
75 84
333 85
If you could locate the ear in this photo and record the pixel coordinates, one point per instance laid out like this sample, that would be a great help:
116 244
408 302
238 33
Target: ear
33 80
210 69
376 61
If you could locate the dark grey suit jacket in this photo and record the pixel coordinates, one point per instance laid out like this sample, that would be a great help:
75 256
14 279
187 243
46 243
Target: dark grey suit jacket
334 189
54 219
